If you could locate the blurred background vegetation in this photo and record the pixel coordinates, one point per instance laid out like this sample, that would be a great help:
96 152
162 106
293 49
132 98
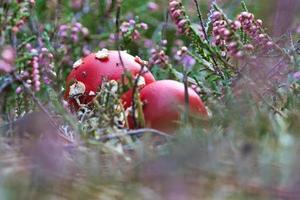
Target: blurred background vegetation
248 149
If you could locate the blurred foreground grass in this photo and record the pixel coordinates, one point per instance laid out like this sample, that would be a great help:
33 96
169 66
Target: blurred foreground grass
248 149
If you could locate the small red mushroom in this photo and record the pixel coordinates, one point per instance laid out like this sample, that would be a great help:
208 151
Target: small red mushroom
163 102
88 73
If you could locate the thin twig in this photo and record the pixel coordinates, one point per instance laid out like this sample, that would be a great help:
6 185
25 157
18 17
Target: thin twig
117 38
136 132
186 96
201 21
165 26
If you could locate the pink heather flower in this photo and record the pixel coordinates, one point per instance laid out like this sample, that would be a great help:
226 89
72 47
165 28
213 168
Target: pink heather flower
144 26
158 57
124 27
19 90
5 67
132 22
163 42
236 25
136 35
178 16
74 37
34 51
296 76
76 4
270 44
131 28
86 51
254 29
249 47
85 31
72 32
216 15
77 25
152 6
35 72
75 29
63 27
148 43
8 54
188 61
15 29
177 13
173 4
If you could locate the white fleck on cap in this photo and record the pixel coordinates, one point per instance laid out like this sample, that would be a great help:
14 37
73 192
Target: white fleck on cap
77 63
92 93
77 88
102 54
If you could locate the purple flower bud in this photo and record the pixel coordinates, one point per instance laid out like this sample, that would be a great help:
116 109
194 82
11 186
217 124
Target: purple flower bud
148 43
188 62
259 22
164 42
249 47
152 6
63 34
144 26
74 37
63 27
238 54
34 51
270 44
85 31
296 76
75 29
232 45
216 15
50 55
236 25
174 4
184 49
35 71
176 13
5 67
124 27
136 35
44 50
78 25
182 23
8 54
132 22
19 90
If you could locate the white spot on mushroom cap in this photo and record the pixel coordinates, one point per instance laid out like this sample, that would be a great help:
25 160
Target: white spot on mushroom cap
102 54
77 63
92 93
77 88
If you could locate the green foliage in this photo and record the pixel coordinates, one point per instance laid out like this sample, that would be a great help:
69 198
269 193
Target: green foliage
247 149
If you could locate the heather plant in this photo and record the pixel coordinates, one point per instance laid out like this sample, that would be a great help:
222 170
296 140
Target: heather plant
247 76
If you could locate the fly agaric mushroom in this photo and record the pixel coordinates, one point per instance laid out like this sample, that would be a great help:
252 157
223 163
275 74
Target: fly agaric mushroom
88 73
162 101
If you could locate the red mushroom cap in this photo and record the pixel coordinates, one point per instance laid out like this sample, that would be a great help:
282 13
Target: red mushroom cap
162 101
91 70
